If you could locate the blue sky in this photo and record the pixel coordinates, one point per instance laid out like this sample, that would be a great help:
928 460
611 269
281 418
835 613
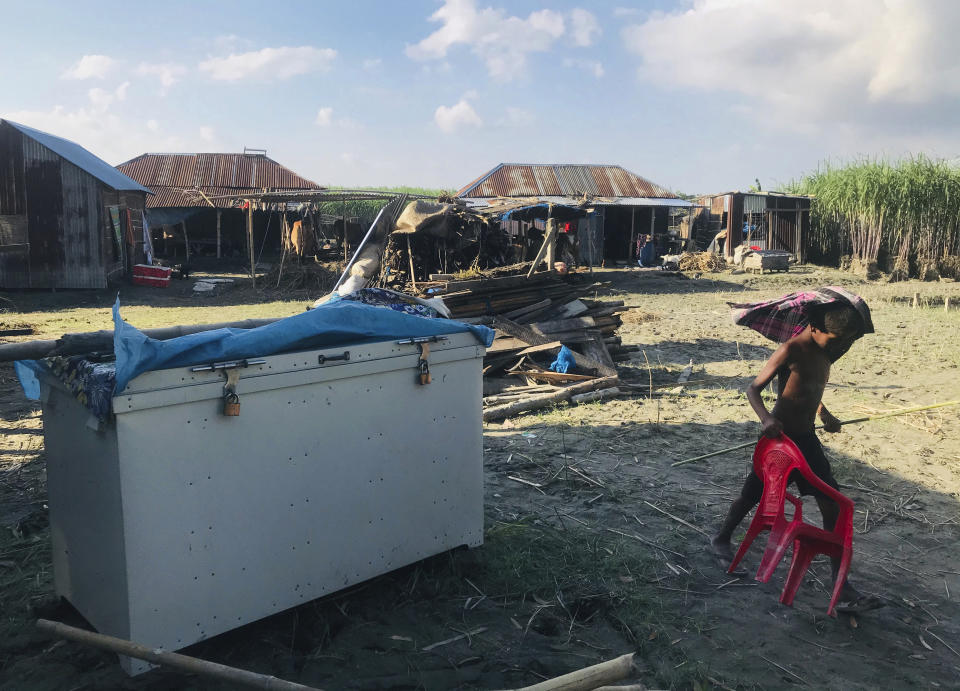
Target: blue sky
697 95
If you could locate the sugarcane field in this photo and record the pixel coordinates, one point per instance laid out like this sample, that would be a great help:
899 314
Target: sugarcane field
367 409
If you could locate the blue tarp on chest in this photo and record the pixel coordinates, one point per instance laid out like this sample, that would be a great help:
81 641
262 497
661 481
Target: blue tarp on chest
335 323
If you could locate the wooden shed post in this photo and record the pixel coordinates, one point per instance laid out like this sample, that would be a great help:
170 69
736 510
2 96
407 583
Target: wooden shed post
734 223
633 233
218 232
186 240
346 243
253 266
552 245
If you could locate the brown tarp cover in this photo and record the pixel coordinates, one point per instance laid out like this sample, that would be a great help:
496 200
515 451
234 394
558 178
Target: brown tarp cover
430 218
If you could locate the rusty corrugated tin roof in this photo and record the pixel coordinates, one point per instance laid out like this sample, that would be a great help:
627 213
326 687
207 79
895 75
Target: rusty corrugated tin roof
177 180
562 180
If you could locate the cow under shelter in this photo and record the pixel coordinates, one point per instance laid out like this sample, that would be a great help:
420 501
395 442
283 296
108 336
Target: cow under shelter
197 209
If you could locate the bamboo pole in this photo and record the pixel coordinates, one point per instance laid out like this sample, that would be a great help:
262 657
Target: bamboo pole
97 341
868 418
253 261
219 212
413 277
183 663
589 678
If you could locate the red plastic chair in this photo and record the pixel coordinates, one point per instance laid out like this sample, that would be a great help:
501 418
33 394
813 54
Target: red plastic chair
773 461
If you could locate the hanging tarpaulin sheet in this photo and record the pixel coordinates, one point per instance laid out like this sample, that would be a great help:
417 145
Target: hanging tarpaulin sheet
117 232
335 323
147 240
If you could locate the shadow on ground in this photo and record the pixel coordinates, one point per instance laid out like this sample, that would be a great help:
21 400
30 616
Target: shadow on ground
606 556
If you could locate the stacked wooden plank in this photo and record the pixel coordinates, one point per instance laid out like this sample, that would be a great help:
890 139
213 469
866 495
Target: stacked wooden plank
534 317
522 353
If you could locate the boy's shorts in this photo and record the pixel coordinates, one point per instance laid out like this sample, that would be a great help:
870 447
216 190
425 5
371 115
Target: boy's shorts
812 451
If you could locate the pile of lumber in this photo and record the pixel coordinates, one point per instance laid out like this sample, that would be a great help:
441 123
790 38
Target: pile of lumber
534 315
511 295
516 367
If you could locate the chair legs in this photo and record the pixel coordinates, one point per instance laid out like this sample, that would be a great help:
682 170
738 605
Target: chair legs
803 554
755 529
841 578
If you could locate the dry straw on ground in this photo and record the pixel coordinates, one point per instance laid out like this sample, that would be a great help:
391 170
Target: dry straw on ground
701 261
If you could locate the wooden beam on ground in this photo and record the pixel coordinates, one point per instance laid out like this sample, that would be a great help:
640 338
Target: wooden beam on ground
589 678
211 670
545 400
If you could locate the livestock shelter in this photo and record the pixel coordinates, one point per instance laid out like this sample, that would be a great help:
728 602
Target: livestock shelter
195 209
768 220
606 206
67 218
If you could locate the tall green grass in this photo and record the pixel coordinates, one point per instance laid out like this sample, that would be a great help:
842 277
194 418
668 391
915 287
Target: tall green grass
906 212
367 210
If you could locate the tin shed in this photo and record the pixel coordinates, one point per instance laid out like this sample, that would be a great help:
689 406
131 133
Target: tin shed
67 218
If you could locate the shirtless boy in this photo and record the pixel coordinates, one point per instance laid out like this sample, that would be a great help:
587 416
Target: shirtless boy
802 366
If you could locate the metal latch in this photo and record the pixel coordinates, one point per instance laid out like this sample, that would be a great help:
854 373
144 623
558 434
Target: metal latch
422 339
230 364
324 359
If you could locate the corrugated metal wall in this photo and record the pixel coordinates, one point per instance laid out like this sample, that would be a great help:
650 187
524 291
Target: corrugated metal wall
60 225
82 265
44 213
14 241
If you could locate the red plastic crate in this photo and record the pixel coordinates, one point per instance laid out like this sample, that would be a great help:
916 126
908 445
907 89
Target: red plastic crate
145 270
152 281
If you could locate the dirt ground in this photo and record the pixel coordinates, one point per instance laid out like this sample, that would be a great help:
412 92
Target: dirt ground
608 554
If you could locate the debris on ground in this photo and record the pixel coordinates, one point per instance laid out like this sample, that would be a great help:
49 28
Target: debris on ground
701 261
534 319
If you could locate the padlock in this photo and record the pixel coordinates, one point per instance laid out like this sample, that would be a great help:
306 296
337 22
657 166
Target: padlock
425 372
422 363
231 404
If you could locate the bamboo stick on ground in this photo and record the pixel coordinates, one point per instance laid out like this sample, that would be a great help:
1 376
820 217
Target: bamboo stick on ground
500 412
184 663
589 678
868 418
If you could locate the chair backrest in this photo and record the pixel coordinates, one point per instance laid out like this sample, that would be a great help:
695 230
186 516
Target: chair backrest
773 461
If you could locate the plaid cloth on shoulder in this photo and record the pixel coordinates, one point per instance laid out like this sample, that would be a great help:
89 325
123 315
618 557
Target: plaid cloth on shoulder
785 317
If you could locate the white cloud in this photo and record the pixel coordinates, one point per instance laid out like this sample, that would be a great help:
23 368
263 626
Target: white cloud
812 65
101 99
594 67
269 63
461 114
207 134
90 67
167 73
518 117
324 116
105 133
626 11
502 41
372 64
584 27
